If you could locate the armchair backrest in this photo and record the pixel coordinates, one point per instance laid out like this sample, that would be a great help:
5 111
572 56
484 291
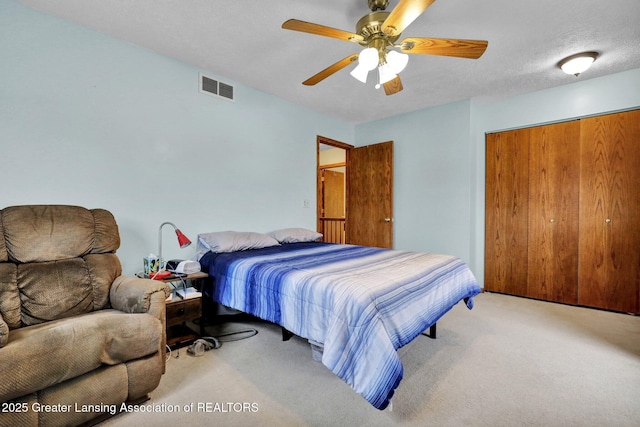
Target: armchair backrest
56 261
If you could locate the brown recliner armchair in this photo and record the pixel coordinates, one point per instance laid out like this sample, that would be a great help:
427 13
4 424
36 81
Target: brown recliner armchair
77 339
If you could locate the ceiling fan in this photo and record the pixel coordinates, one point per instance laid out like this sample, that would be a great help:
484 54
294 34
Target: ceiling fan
378 32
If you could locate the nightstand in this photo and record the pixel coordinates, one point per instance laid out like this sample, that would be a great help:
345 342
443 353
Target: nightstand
180 311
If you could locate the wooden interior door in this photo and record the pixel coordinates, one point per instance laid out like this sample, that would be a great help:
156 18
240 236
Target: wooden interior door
333 193
369 219
507 211
609 271
554 190
332 216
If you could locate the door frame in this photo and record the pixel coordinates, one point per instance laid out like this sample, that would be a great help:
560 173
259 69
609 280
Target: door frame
354 157
332 142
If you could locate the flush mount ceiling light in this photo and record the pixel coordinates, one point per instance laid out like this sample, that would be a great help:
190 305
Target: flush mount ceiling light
578 63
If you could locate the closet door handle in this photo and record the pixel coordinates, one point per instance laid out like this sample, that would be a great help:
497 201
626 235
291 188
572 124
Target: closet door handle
608 220
552 220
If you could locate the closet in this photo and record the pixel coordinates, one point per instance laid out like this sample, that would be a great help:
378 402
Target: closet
563 212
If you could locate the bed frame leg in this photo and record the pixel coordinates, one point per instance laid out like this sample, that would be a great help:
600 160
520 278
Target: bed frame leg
286 335
432 332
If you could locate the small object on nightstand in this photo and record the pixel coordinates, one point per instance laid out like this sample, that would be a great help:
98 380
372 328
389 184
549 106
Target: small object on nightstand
188 293
151 265
161 275
183 266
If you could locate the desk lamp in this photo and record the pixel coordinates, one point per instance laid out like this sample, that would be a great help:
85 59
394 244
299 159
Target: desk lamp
183 241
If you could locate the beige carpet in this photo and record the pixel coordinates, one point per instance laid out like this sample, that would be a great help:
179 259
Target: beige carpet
508 362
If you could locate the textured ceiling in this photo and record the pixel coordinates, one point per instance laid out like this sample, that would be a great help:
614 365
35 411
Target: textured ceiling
243 41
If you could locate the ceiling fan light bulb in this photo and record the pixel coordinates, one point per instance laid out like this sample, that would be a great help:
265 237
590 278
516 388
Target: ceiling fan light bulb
576 64
360 73
397 61
368 58
386 74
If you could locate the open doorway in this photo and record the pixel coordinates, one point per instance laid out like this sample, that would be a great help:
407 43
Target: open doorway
355 193
331 189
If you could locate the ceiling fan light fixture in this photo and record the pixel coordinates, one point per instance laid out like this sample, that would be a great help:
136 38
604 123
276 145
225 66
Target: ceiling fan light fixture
360 73
397 61
385 73
377 33
578 63
367 61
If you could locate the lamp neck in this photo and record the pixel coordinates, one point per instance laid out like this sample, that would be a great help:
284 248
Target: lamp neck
160 238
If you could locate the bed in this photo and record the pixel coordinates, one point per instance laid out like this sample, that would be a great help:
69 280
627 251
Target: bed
358 304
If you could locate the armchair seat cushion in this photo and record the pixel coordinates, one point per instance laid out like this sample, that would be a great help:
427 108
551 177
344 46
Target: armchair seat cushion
49 353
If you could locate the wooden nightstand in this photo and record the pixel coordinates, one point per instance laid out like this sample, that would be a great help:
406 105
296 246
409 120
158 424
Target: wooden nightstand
180 311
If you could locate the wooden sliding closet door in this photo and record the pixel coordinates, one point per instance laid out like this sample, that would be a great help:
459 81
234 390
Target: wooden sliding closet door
609 272
563 212
506 212
554 189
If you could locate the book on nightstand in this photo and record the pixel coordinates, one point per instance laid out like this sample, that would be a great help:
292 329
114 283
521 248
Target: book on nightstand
188 293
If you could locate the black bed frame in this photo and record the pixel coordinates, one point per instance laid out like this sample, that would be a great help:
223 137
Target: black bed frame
286 334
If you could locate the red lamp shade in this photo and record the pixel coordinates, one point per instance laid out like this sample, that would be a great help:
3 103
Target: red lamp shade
183 240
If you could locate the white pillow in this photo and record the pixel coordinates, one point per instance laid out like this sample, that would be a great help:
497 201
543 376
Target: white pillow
232 241
295 235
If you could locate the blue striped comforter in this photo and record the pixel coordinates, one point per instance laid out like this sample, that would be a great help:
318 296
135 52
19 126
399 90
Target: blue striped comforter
361 303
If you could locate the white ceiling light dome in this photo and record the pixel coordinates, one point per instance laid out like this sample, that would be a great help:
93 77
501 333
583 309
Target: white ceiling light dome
578 63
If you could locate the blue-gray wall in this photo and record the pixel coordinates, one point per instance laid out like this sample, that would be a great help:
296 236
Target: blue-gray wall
431 177
88 119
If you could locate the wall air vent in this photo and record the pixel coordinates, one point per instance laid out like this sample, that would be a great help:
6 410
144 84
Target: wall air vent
216 88
209 85
225 90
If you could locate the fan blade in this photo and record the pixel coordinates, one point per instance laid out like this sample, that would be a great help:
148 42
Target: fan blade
321 30
472 49
404 14
330 70
393 86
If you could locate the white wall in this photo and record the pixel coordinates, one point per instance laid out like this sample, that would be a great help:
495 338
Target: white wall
90 120
332 156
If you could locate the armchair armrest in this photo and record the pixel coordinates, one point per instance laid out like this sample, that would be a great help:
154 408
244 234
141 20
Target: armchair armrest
4 332
135 295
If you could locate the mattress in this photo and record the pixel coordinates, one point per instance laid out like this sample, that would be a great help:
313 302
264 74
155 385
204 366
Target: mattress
360 303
